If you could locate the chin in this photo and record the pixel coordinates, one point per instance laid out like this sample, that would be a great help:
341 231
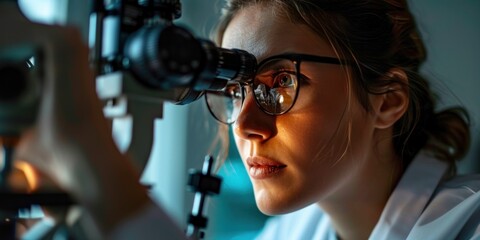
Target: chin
270 211
274 200
277 205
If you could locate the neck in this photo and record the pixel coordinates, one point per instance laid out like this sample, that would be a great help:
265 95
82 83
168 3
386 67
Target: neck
356 209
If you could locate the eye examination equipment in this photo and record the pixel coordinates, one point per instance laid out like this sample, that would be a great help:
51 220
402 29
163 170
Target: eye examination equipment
141 60
203 183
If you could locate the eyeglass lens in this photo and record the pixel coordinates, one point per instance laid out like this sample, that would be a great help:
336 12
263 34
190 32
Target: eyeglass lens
225 105
274 87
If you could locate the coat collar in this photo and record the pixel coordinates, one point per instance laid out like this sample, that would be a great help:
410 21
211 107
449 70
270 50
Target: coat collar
410 197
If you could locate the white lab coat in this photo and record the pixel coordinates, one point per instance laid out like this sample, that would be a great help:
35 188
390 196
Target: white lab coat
421 207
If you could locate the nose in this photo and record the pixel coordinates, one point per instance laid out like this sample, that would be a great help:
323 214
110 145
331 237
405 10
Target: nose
252 123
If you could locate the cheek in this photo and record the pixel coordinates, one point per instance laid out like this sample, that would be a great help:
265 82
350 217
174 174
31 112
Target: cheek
320 116
325 97
329 128
362 131
243 146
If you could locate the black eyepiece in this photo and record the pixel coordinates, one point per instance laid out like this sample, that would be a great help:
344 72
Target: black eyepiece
166 57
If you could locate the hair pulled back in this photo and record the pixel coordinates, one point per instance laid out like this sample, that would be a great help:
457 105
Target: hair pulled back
377 36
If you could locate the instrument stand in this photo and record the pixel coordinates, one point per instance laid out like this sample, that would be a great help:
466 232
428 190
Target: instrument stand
202 183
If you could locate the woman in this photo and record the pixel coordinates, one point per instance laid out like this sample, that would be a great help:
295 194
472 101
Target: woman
348 124
337 129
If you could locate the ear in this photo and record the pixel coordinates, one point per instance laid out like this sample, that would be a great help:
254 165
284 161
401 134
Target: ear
392 103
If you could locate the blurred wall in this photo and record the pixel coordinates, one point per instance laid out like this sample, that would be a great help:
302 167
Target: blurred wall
451 30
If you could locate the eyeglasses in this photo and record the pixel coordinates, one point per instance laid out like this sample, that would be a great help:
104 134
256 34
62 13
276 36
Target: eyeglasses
275 87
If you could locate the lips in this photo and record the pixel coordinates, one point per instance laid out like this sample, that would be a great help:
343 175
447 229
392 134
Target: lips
263 168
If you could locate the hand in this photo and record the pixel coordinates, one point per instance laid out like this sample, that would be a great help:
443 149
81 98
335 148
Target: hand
71 141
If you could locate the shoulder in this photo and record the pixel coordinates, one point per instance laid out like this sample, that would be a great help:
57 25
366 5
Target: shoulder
306 223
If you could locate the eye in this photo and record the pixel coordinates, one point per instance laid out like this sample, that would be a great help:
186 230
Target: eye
284 79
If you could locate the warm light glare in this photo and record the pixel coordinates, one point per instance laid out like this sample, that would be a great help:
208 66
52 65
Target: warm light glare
30 173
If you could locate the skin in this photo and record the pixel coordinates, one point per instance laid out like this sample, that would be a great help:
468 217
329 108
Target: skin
349 178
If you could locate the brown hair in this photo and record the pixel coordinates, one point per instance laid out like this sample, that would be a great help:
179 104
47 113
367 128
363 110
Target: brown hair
379 35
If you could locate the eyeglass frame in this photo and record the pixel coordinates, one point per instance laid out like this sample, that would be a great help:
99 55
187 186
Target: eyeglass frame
296 59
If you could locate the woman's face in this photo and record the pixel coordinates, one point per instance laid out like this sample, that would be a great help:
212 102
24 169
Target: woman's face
301 157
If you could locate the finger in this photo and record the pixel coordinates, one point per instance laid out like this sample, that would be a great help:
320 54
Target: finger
29 150
17 181
35 179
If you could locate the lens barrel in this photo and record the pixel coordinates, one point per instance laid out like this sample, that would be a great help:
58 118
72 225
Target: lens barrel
229 65
169 56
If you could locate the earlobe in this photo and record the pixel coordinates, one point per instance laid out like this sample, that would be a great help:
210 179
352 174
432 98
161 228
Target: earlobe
390 105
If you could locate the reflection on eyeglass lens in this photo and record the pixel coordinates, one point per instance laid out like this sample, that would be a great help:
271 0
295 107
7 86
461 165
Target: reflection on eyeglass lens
275 86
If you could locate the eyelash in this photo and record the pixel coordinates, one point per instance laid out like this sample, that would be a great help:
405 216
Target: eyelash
302 78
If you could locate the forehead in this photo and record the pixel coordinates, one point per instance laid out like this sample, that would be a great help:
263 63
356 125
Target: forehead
264 32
